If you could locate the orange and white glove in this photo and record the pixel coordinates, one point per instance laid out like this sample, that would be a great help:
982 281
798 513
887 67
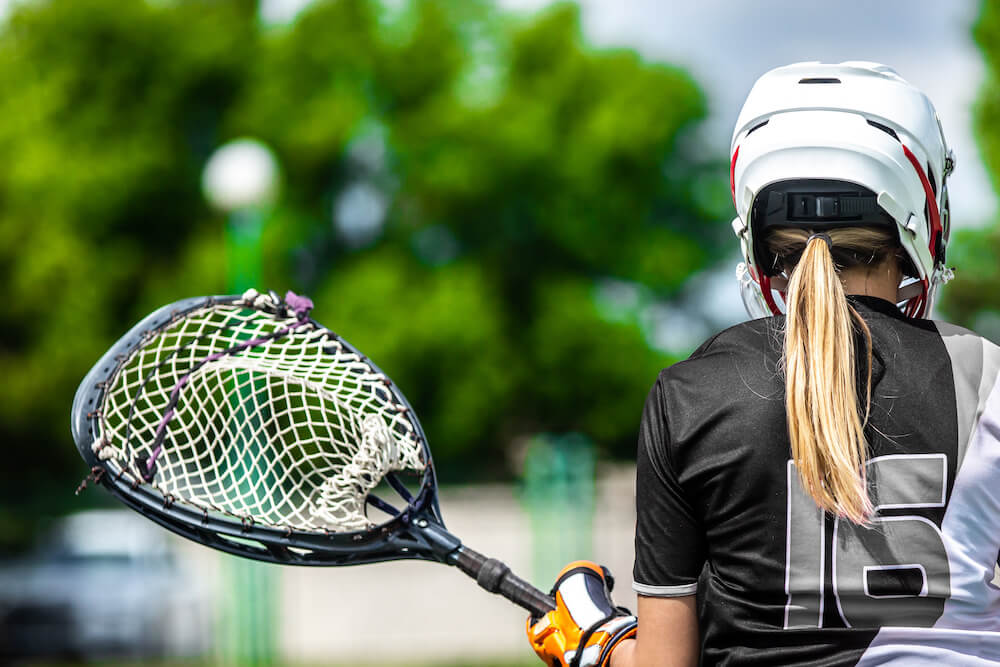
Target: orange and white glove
586 626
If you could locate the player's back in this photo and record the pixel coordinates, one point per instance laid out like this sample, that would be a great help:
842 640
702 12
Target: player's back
786 584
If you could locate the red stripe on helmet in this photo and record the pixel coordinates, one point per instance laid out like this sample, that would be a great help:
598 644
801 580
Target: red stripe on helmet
931 201
732 176
935 223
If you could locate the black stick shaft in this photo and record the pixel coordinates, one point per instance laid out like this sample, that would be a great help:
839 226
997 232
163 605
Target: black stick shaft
496 577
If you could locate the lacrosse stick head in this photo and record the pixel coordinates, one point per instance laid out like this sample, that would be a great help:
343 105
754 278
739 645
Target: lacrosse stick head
244 424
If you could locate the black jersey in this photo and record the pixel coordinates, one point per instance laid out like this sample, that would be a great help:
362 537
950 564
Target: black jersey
721 511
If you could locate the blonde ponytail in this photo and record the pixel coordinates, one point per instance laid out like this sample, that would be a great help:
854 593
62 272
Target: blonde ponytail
825 423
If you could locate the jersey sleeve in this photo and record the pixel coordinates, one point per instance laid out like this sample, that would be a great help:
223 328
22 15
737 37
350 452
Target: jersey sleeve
669 540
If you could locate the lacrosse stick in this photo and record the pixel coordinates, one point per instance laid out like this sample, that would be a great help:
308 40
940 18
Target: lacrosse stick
241 423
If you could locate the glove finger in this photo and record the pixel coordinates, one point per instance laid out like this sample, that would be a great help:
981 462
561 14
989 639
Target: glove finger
582 592
608 578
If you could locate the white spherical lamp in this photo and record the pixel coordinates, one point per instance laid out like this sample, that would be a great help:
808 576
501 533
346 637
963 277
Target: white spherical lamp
239 175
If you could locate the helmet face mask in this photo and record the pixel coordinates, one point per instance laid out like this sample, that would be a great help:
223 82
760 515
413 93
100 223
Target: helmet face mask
825 146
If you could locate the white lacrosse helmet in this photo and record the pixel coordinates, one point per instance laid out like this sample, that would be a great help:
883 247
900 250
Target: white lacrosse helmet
821 146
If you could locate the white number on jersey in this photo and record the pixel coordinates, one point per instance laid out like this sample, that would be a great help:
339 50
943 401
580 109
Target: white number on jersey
893 572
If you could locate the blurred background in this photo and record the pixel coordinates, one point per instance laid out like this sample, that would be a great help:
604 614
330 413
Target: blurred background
518 209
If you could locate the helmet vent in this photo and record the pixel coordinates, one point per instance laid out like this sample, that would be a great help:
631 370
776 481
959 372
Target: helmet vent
819 79
756 127
885 128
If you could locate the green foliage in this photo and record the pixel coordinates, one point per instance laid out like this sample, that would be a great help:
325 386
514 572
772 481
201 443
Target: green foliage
986 32
440 336
109 109
974 290
515 167
973 299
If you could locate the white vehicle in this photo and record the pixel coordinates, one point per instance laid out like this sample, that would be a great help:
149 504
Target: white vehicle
102 583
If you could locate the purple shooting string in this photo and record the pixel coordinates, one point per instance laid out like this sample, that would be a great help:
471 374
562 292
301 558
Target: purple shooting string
300 305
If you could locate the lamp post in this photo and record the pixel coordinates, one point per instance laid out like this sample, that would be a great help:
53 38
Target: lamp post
241 180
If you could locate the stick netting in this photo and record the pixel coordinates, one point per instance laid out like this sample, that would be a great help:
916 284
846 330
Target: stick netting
294 431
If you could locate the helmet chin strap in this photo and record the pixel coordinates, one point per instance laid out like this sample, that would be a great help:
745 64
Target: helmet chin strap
765 288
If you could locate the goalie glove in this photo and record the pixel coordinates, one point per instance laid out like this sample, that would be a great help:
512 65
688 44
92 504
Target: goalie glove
586 626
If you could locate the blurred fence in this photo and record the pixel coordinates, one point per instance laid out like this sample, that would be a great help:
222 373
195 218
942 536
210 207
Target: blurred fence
419 612
412 610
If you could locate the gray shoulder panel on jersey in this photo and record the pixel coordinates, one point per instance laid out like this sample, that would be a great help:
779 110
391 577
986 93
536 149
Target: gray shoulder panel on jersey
975 364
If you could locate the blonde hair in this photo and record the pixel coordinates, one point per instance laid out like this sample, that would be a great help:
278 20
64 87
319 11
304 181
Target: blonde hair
826 425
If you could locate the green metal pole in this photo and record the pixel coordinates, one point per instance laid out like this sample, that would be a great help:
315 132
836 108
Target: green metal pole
559 495
244 228
249 605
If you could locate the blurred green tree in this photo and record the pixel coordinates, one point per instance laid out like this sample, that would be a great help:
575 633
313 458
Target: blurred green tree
457 182
516 167
973 298
108 111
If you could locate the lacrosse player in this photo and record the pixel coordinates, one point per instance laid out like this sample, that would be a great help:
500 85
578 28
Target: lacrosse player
821 485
